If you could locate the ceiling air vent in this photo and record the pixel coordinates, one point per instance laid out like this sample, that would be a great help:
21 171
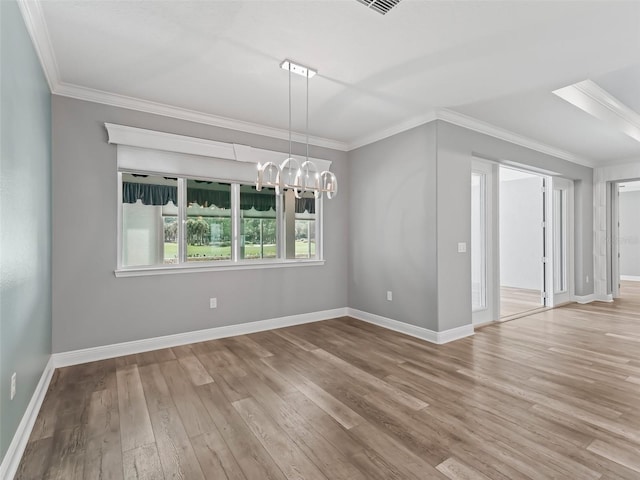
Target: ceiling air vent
380 6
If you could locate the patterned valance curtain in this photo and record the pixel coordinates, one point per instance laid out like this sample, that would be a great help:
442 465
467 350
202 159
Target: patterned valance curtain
150 194
308 204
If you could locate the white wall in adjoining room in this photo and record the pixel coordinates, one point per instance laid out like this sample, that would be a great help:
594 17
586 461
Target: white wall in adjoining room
629 234
521 237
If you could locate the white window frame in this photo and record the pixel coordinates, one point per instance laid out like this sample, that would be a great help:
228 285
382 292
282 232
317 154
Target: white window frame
157 153
491 237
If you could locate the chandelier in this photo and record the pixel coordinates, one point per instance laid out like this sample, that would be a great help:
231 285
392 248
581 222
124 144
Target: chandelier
292 174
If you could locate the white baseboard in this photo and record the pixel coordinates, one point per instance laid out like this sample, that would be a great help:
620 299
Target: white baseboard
630 278
452 334
418 332
483 323
14 453
594 297
12 458
75 357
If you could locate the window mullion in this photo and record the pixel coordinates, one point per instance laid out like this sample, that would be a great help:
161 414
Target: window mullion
235 222
280 227
319 222
182 220
120 232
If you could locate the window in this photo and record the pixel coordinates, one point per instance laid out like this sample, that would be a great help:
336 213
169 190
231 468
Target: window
189 203
305 228
158 231
305 238
208 226
149 220
259 223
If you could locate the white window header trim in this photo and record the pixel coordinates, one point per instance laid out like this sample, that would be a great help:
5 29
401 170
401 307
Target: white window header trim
169 142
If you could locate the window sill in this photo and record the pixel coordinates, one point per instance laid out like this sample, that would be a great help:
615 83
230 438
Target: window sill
222 266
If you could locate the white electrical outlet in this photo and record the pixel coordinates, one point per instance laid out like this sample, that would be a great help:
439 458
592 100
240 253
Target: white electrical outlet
462 247
213 303
390 295
13 385
587 278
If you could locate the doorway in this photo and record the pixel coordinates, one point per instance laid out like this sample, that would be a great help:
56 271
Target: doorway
625 249
521 241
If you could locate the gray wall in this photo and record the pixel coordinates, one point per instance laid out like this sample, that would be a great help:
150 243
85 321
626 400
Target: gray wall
25 220
629 212
521 239
392 239
453 226
410 205
462 144
92 307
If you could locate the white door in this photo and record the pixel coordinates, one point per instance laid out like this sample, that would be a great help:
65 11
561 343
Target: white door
560 238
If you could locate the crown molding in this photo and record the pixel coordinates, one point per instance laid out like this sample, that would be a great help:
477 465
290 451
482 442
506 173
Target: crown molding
116 100
479 126
476 125
148 106
620 161
37 27
430 116
34 19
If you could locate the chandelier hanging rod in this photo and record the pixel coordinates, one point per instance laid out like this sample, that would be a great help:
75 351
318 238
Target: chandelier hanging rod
307 176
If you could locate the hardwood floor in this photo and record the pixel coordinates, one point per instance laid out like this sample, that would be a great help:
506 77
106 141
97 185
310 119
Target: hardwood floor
550 396
518 301
629 289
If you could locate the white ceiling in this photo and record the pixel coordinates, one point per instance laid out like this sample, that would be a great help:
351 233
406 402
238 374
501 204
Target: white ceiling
497 62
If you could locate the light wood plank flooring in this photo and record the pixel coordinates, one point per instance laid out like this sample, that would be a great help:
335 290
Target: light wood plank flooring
552 396
518 301
629 289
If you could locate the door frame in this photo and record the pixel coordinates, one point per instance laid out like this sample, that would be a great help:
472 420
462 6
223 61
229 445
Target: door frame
565 296
491 311
492 244
613 235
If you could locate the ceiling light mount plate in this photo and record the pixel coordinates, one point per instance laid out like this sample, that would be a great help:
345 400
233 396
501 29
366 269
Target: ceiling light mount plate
297 68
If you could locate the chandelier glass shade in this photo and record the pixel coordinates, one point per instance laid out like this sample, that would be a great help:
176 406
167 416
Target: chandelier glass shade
291 174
